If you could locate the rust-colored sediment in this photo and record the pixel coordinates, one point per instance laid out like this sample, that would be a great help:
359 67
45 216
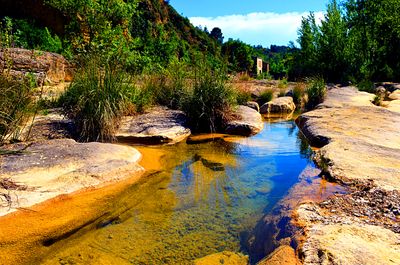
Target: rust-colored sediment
22 233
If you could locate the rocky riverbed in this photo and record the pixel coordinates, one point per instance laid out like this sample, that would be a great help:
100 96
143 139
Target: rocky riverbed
360 149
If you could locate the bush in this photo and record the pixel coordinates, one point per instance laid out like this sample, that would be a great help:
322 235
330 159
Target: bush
242 97
283 83
209 103
266 96
16 104
298 92
96 100
367 86
316 91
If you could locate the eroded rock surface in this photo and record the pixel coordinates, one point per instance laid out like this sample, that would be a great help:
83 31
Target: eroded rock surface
45 66
361 148
283 255
361 142
247 122
159 125
254 105
33 173
226 257
278 105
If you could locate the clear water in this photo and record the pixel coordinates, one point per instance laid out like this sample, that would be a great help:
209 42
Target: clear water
205 199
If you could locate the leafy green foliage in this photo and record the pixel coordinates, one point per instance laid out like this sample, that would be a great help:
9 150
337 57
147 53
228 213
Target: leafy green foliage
96 100
25 34
316 91
238 55
358 40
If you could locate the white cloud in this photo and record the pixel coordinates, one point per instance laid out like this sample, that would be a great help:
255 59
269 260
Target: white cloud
257 28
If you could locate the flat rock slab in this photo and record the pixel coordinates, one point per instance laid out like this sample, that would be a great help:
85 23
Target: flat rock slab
53 125
278 105
247 122
360 147
159 125
361 142
33 173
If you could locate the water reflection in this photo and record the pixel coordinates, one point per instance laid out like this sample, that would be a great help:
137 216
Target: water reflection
205 200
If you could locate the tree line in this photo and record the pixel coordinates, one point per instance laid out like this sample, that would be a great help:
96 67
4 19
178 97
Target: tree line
357 40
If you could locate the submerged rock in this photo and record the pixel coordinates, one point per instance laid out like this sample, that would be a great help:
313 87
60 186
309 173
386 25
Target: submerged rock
226 257
159 125
33 173
278 105
247 122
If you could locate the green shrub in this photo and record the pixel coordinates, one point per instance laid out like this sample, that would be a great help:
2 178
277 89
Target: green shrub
96 100
283 83
16 104
298 92
266 96
243 96
316 91
367 86
209 103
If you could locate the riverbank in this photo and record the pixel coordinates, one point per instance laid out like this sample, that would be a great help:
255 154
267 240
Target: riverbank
360 148
25 235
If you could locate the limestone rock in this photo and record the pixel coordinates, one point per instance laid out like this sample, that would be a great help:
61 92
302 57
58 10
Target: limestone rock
351 245
45 66
226 257
395 95
254 105
360 141
248 122
158 125
284 255
278 105
394 106
33 173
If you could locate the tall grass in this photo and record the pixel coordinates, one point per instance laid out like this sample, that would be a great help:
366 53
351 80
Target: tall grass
16 104
298 93
96 100
208 104
265 96
316 91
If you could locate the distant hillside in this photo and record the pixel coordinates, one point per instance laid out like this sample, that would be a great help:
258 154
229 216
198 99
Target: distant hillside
143 32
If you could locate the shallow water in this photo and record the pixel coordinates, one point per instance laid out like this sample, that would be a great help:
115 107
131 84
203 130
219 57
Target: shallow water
204 200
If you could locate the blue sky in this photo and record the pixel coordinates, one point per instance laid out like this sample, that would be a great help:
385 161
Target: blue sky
255 22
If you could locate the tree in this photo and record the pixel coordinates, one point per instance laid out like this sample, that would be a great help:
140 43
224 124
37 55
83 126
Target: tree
239 55
216 33
332 44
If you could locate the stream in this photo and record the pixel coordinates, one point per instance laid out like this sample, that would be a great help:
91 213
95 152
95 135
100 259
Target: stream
205 198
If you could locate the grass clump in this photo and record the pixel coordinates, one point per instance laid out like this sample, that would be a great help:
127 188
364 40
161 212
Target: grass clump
208 103
298 93
266 96
283 83
16 104
316 91
96 100
242 97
